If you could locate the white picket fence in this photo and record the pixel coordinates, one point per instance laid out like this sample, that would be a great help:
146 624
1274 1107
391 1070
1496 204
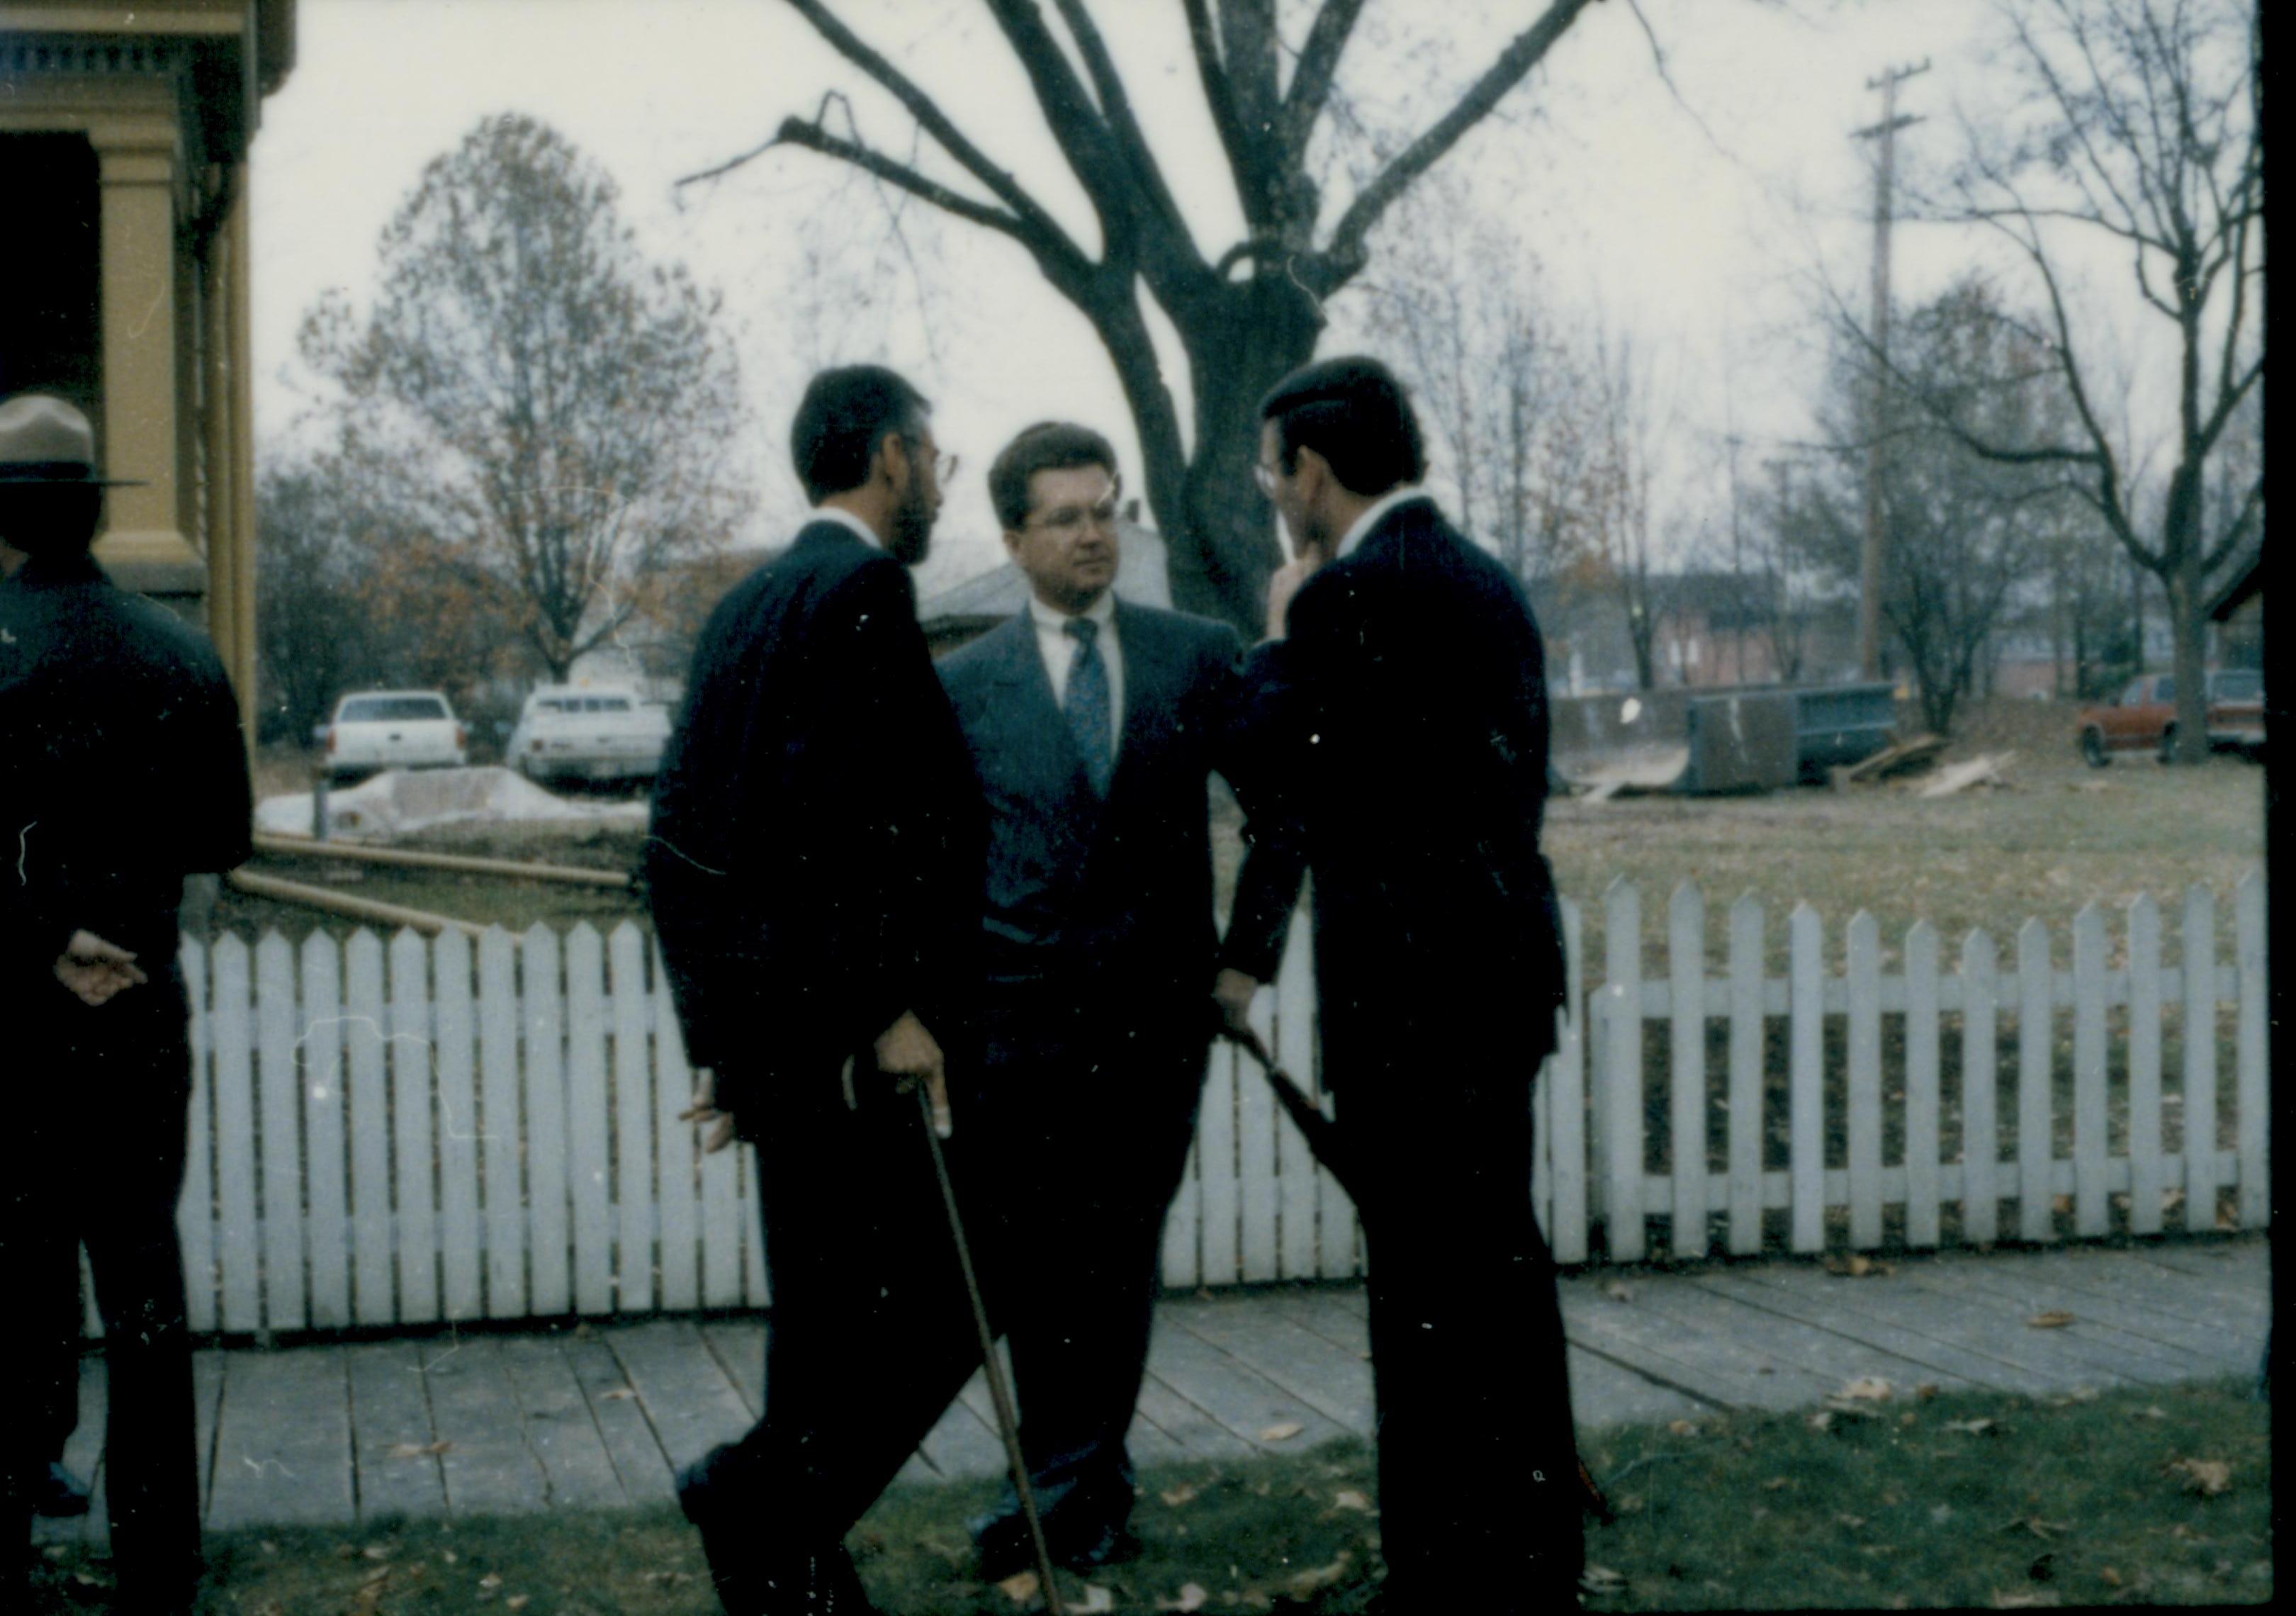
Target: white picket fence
425 1131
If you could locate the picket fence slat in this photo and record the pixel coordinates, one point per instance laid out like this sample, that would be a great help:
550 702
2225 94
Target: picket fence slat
388 1132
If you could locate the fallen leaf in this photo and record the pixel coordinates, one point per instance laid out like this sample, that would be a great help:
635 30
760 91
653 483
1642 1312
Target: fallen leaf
2055 1318
1823 1418
619 1394
1178 1496
1852 1522
1775 1483
1020 1588
2061 1203
1601 1579
1095 1600
2024 1600
415 1451
1282 1433
1351 1499
2206 1477
2150 1411
376 1551
1942 1514
1926 1390
1190 1597
1309 1582
1905 1418
490 1582
2111 1579
1618 1291
448 1555
1683 1428
2044 1530
1871 1387
516 1602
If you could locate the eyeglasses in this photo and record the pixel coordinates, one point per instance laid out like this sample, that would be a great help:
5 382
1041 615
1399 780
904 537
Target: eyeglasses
1072 519
1265 475
944 470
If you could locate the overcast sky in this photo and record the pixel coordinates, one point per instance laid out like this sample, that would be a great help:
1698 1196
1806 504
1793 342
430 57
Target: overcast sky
1696 223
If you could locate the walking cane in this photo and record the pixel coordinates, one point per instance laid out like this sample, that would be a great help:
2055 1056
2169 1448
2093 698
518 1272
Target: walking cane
1330 1147
1008 1424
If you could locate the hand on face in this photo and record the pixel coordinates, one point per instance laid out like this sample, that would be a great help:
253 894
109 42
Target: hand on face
95 970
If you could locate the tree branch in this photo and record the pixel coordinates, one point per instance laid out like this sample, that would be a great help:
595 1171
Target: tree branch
1243 157
1312 76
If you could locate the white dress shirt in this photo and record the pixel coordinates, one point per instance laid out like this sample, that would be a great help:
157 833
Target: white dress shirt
1058 647
845 518
1370 519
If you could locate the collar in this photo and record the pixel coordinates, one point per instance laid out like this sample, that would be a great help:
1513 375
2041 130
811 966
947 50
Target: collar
1360 528
52 571
1052 619
846 519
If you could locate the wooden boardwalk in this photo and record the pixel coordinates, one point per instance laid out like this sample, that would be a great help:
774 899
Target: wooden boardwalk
492 1423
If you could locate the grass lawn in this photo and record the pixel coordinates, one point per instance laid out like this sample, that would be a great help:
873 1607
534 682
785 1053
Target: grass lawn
2157 1495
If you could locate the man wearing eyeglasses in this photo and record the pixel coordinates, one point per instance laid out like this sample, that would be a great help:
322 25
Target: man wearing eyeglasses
1396 727
815 874
1091 722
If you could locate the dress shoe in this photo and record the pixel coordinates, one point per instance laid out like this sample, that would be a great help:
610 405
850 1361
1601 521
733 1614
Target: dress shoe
62 1493
1005 1550
750 1581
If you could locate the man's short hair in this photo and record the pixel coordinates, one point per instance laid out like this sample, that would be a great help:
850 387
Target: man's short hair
1049 446
845 414
1354 412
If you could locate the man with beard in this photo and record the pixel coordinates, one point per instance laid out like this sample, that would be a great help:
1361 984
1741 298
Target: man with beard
816 872
1396 726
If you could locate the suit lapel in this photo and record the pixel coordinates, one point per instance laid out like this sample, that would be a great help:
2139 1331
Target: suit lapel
1149 677
1032 722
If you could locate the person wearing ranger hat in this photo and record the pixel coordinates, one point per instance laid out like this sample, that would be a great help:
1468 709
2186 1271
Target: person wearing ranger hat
121 772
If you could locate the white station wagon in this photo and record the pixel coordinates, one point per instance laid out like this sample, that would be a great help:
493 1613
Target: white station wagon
575 732
380 729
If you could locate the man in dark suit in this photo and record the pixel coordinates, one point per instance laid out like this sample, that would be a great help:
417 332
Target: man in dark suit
1091 722
815 871
1396 727
122 770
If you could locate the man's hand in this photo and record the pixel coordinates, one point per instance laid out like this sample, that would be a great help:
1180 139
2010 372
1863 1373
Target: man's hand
94 970
907 1053
704 1110
1284 585
1233 992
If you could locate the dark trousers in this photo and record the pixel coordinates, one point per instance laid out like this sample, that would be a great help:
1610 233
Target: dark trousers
1479 1504
95 1155
1089 1107
871 1336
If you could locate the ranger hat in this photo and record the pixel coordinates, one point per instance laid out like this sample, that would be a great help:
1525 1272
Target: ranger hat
46 443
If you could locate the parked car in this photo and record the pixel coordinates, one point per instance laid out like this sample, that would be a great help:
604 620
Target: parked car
380 729
570 731
2144 717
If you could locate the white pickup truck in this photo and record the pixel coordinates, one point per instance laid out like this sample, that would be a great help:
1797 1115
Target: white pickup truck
588 733
380 729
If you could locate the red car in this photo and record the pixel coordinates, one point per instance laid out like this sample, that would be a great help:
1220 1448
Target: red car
2144 719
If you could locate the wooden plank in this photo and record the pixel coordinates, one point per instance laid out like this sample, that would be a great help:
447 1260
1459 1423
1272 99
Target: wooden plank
1255 1140
284 1441
1981 1057
721 1227
1619 1092
1806 1080
391 1432
2036 1041
560 1431
279 1110
2233 1298
1178 1265
963 1441
2144 1155
1239 1399
676 1151
1605 1393
1842 1309
417 1155
502 1127
2251 1076
549 1256
239 1251
634 1147
686 1397
1187 1427
588 1122
207 1375
1864 1080
639 1462
462 1257
1923 1149
1220 1260
1564 1117
1685 953
2147 1345
1718 1370
1745 1075
1332 1380
738 1346
2199 1135
1335 1314
1979 1344
1295 1164
2091 1215
752 1203
488 1467
367 1122
195 1207
326 1206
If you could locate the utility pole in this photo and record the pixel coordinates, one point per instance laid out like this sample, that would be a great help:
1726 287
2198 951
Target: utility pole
1869 592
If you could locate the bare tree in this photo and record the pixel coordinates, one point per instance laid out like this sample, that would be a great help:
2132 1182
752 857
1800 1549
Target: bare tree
1246 311
545 413
1612 493
2144 138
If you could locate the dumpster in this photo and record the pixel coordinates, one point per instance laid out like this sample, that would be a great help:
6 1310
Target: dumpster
1748 737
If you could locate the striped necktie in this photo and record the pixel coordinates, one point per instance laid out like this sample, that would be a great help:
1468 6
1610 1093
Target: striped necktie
1087 705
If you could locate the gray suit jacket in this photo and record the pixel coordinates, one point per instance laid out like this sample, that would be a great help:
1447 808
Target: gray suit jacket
1113 893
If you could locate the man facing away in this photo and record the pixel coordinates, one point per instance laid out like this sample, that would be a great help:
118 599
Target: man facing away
1091 722
815 870
1396 725
122 770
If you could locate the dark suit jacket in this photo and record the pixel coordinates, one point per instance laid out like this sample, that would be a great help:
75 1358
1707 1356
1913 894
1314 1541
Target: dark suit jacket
815 861
1114 894
122 766
1396 739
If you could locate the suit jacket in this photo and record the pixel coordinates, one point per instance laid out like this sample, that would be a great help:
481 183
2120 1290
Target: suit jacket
122 766
1397 742
1115 894
815 861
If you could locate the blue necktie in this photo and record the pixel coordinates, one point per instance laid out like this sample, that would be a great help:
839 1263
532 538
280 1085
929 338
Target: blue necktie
1087 705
